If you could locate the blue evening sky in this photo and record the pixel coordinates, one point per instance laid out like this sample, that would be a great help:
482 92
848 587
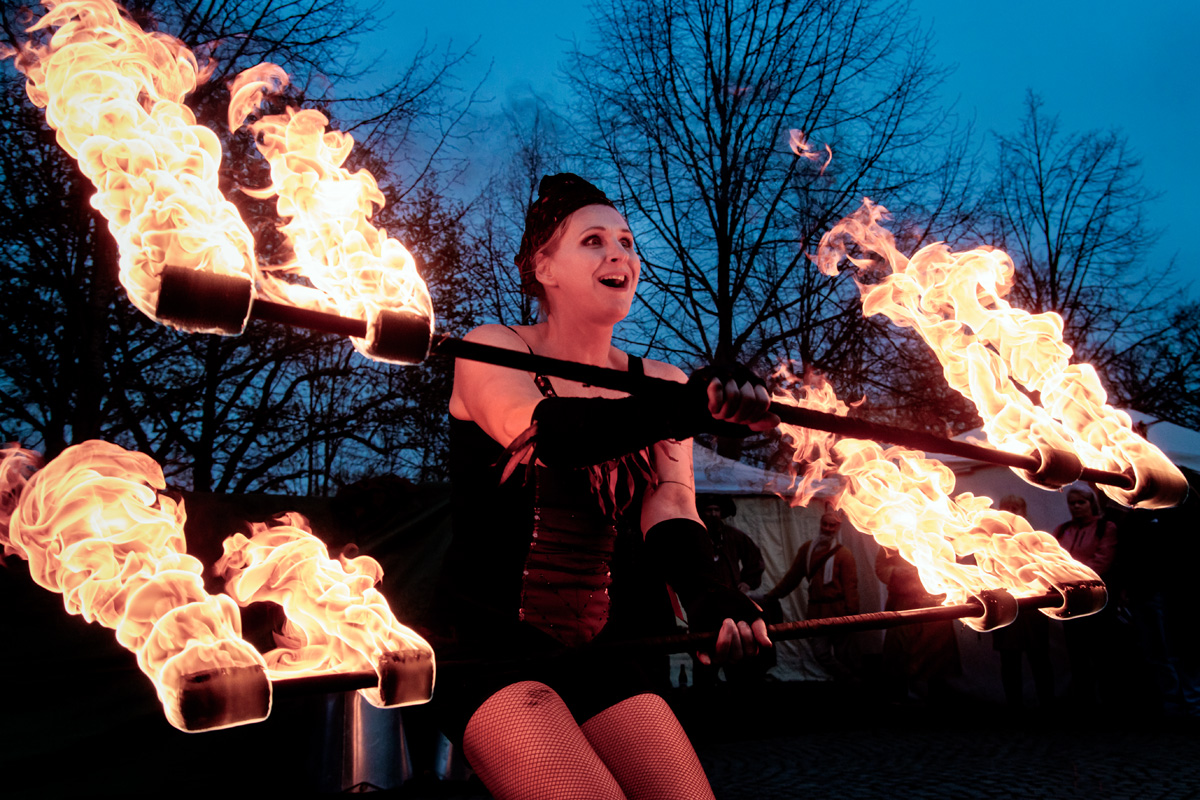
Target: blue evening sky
1096 63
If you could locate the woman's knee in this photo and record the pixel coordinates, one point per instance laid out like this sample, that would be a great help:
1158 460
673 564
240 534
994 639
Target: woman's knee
640 705
524 743
511 703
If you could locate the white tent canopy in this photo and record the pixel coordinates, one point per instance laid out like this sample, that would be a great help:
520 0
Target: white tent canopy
779 530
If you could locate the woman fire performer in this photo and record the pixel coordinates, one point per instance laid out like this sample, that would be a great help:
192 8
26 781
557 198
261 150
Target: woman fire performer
550 479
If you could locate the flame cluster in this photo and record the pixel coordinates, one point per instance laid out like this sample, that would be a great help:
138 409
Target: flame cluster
97 526
959 544
955 302
355 269
337 621
115 94
802 147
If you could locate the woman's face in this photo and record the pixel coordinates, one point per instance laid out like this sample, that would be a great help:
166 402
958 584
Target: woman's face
1080 505
594 269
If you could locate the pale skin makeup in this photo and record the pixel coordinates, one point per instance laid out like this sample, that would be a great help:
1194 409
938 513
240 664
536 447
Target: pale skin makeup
589 277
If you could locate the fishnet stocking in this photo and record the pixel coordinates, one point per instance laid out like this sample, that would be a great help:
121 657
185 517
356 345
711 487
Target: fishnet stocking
645 747
525 745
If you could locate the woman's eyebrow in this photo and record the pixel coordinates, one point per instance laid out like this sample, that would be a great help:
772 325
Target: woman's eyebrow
604 228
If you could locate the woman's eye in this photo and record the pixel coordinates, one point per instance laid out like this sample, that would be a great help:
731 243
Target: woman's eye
627 243
593 239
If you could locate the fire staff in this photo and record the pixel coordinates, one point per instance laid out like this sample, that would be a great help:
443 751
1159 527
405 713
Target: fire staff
550 479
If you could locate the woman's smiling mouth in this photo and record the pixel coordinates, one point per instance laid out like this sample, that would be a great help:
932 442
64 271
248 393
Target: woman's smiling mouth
615 281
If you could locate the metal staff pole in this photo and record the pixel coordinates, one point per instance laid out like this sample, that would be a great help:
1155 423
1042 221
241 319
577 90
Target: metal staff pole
448 346
201 301
1076 601
789 414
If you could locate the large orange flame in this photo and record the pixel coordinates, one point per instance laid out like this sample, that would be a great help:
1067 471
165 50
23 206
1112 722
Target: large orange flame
355 269
336 619
955 301
96 526
959 544
114 95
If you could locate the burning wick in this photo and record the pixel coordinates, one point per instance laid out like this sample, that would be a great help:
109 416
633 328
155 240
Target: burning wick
337 621
354 269
114 94
98 526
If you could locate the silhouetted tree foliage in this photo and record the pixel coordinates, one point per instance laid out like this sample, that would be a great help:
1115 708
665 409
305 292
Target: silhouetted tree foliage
1070 209
689 124
1161 376
534 150
693 122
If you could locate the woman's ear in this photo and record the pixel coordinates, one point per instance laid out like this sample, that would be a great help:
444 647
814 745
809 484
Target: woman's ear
543 270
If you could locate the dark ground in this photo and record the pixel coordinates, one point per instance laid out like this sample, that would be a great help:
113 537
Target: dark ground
811 741
103 733
79 719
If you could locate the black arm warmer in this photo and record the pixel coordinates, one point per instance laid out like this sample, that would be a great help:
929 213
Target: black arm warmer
582 431
682 550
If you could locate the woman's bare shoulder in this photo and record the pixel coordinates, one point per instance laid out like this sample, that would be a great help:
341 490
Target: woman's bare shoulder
499 336
659 369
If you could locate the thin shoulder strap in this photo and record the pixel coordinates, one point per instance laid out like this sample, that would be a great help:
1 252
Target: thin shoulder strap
636 368
519 336
542 382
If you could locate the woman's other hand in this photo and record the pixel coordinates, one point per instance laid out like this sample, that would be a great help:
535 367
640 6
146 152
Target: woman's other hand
746 403
737 640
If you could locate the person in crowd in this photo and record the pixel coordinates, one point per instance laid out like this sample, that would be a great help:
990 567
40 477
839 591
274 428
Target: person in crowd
832 575
1092 541
917 659
1158 550
568 499
1028 635
739 562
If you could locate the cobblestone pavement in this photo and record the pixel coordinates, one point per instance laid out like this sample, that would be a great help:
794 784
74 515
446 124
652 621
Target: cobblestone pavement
818 745
777 741
918 753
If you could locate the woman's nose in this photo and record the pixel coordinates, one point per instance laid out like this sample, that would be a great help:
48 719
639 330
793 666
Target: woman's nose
617 253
